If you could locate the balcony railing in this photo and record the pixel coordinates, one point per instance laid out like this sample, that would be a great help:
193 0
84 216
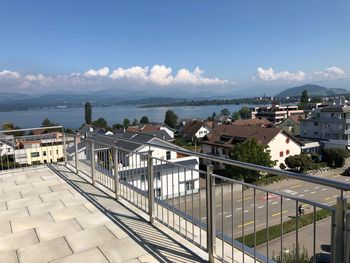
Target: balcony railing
222 216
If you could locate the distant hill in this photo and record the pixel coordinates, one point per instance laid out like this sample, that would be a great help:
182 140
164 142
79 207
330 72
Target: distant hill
313 90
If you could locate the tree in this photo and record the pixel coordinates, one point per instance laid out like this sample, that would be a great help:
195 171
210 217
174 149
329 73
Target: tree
170 119
300 163
135 122
88 114
244 112
47 123
236 115
250 151
144 120
126 123
225 112
117 126
213 116
304 97
6 126
335 157
100 123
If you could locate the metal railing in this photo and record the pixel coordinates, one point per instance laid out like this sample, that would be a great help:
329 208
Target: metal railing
233 221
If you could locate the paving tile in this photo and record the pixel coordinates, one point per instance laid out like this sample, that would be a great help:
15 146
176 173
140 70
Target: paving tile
3 206
58 229
93 220
55 195
91 207
8 256
47 183
7 184
28 180
17 188
5 228
23 202
90 256
18 240
10 196
116 230
15 177
13 214
72 200
69 212
29 222
60 187
36 191
86 239
44 251
49 177
147 259
45 207
115 250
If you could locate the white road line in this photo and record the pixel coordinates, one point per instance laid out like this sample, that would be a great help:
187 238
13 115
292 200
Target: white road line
324 189
228 216
245 211
222 213
274 203
301 195
312 192
287 199
335 195
203 218
240 208
306 190
347 179
317 187
261 206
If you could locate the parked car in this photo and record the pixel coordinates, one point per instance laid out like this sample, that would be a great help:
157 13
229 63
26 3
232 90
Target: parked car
346 172
321 258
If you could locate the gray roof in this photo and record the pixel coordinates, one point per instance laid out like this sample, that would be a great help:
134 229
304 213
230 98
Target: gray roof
160 134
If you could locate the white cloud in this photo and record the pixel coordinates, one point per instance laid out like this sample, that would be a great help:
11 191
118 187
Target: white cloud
270 75
330 73
161 75
134 73
102 72
7 74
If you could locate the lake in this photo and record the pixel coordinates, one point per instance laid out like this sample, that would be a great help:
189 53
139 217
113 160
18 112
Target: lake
74 117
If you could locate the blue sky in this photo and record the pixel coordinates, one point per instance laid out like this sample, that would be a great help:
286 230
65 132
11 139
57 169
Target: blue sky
301 41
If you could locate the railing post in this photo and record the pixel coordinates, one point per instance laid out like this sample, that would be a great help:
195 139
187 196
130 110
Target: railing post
347 237
150 186
92 147
65 148
210 196
116 163
76 153
340 210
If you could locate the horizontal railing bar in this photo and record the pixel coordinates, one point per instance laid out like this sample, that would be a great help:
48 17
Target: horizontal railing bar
298 176
32 129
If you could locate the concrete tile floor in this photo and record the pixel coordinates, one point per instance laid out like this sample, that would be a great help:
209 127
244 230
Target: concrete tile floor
50 216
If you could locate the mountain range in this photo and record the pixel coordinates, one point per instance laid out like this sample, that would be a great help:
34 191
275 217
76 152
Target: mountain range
312 90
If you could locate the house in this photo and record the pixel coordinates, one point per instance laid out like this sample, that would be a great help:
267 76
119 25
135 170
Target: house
86 130
160 130
260 122
292 124
222 139
169 166
195 130
329 125
275 113
7 144
224 119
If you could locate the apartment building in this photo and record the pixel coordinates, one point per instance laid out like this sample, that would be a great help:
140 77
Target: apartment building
330 125
275 113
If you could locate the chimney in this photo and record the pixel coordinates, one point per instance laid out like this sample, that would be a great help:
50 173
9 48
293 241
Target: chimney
163 136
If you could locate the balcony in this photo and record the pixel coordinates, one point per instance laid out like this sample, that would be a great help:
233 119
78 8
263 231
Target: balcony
89 206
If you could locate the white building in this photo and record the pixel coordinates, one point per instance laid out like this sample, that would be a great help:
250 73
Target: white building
195 130
221 140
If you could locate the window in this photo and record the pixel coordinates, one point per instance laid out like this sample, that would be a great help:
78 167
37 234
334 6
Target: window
8 150
44 153
316 132
281 154
189 185
168 155
158 176
287 152
305 132
157 193
315 123
35 154
142 178
57 152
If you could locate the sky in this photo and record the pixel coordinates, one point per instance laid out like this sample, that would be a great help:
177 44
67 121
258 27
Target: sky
223 46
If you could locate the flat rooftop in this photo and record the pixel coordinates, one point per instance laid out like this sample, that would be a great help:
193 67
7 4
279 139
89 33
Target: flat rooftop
54 215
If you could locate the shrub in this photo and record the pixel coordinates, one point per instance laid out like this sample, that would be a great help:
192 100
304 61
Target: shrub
292 256
335 157
299 163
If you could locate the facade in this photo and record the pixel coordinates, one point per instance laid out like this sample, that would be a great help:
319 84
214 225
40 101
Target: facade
222 139
275 113
195 130
159 130
330 125
292 124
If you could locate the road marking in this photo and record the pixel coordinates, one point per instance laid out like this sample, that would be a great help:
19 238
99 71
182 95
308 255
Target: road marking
306 190
283 212
324 189
288 199
247 198
312 192
240 208
301 195
222 213
228 216
203 218
347 179
275 203
218 205
261 206
249 223
295 186
335 196
245 211
317 187
327 198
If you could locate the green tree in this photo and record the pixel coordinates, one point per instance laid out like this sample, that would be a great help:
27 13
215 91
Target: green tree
135 122
300 163
249 151
335 157
6 126
225 112
144 120
88 113
304 97
244 112
213 116
126 123
47 123
236 115
117 126
170 119
100 123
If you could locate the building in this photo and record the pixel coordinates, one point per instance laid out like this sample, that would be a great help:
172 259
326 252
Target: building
160 130
260 122
275 113
329 125
195 130
220 141
132 159
292 124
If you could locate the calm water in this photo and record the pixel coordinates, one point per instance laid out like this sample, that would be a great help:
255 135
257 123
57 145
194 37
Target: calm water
74 117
